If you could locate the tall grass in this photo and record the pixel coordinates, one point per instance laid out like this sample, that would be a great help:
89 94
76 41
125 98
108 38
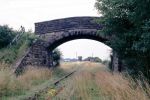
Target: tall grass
34 76
103 85
91 82
10 85
118 87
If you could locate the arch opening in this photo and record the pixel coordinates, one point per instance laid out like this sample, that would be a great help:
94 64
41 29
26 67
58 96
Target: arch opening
85 48
58 42
90 50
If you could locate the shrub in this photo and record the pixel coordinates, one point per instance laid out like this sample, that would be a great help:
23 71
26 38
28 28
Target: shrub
56 55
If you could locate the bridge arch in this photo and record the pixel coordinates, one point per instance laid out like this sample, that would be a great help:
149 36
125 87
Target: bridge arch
54 33
73 35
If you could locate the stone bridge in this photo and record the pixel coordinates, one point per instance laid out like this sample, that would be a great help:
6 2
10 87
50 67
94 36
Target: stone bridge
56 32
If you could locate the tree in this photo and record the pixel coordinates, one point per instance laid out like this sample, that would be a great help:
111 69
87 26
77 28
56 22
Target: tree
6 36
79 58
128 24
97 59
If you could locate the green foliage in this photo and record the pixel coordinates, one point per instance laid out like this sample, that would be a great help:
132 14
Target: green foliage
12 53
56 55
93 59
80 58
106 62
97 59
128 24
6 35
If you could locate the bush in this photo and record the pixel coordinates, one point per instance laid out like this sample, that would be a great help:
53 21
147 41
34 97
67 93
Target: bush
56 55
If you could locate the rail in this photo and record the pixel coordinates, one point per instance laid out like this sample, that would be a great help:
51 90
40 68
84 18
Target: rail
35 96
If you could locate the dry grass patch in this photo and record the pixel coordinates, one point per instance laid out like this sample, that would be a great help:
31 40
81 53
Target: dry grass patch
103 86
79 87
4 66
10 85
118 87
94 82
35 76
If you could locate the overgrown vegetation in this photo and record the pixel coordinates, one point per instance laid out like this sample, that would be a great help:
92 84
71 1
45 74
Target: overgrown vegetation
11 86
94 82
103 86
32 80
9 54
128 24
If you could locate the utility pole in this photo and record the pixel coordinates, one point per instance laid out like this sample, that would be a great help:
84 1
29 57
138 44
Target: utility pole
76 55
92 55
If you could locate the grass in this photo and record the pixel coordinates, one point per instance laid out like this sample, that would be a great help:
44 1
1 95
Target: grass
10 85
119 87
102 85
92 81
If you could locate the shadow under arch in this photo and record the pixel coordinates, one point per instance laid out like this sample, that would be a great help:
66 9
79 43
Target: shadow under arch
58 42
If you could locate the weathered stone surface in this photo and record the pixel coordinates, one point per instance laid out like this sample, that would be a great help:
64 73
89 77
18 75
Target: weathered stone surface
66 24
54 33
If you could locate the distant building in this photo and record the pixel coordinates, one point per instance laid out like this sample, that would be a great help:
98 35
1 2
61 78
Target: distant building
69 60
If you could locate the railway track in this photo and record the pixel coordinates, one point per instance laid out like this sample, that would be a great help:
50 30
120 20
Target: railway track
54 84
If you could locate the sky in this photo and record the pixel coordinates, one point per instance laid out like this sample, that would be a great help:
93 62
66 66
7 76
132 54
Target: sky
27 12
85 48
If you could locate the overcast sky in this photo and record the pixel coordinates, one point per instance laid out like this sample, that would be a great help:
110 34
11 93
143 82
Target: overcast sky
26 12
85 48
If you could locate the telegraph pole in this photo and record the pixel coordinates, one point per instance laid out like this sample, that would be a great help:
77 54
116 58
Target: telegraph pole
92 55
76 55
